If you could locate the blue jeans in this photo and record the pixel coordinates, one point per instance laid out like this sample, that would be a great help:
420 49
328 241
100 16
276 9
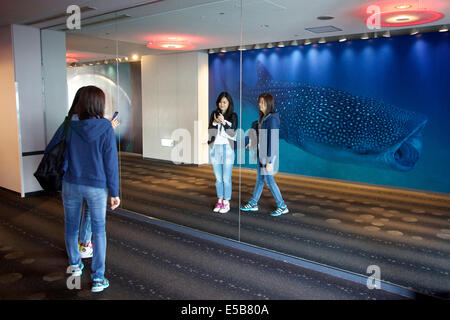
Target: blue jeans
96 198
222 160
85 228
268 178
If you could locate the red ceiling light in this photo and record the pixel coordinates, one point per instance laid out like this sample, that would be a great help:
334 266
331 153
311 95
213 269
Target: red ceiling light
398 13
407 18
171 43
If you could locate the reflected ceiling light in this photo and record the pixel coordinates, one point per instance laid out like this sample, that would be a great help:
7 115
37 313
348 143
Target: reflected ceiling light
223 50
387 34
443 29
170 43
294 43
414 32
242 48
307 42
280 44
269 45
403 6
322 40
343 39
256 46
211 51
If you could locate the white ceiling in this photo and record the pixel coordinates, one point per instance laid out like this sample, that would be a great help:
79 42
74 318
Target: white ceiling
205 23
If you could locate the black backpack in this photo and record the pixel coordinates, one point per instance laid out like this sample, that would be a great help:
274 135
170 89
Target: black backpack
49 173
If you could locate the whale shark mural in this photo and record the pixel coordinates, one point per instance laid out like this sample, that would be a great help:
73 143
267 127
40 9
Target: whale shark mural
336 125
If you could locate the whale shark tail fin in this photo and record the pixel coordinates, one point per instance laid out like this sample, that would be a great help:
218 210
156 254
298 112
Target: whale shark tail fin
263 75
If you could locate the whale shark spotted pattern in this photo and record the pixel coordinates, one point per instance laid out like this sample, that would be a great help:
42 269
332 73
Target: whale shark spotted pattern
336 125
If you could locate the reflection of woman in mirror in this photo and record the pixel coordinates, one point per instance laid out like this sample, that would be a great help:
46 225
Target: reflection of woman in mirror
222 127
266 145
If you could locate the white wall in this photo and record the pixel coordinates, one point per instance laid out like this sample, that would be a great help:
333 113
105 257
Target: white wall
10 154
175 97
23 135
54 74
28 76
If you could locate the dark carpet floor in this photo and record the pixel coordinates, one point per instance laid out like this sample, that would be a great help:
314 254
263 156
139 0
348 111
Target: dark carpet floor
146 262
345 225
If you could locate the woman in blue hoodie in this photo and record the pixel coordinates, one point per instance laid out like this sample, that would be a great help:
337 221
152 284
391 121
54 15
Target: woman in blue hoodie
91 169
85 243
266 144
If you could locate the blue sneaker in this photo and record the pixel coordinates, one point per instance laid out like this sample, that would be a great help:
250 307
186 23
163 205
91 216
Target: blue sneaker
76 270
99 284
250 207
279 211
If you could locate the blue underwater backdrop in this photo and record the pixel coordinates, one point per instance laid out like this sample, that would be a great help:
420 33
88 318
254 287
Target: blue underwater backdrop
373 111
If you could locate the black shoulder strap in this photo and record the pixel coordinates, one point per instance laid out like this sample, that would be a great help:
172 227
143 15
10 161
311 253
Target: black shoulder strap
66 127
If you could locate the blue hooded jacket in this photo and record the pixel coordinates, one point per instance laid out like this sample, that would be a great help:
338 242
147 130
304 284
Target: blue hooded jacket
91 154
266 139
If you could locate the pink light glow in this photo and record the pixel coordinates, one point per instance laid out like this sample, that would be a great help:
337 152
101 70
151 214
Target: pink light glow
173 41
398 13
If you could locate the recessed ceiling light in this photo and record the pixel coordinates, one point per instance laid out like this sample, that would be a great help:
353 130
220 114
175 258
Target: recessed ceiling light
365 36
343 39
414 32
269 45
294 43
280 44
387 34
134 56
257 46
242 48
322 40
223 50
307 42
403 6
443 29
325 18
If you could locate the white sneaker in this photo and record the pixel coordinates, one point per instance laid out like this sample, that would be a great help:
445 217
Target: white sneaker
218 206
86 251
225 207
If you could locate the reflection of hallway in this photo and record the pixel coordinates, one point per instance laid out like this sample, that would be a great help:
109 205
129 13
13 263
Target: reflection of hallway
349 226
145 261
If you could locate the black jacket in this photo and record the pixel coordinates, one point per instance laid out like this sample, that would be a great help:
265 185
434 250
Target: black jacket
230 130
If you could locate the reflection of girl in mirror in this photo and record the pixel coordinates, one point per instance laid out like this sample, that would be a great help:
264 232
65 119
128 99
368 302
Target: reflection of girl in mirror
266 145
222 127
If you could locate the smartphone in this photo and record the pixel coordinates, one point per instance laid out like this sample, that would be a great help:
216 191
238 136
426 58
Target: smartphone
115 115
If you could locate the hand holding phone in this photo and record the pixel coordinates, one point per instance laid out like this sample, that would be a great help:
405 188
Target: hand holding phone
115 115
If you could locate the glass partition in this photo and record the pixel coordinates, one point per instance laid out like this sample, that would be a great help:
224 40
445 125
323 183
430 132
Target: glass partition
166 170
352 143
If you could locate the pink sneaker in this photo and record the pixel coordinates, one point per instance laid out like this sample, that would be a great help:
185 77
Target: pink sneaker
225 207
218 206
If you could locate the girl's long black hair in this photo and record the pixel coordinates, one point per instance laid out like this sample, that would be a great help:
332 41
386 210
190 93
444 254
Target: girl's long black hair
268 98
228 114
